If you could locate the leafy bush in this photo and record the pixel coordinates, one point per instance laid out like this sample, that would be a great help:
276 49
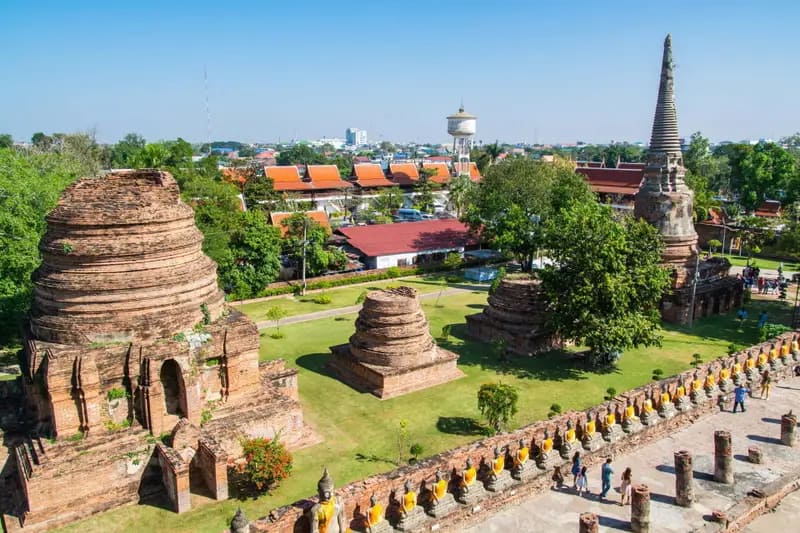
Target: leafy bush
714 245
733 348
497 402
696 359
611 392
555 409
416 450
322 299
361 297
445 333
393 272
267 462
110 425
657 374
277 334
116 393
501 273
770 331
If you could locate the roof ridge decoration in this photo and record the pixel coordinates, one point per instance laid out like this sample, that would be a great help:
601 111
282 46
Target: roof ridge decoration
665 123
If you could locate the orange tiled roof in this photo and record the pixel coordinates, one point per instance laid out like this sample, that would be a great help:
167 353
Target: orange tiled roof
442 172
286 178
318 216
474 173
326 177
370 175
404 173
235 175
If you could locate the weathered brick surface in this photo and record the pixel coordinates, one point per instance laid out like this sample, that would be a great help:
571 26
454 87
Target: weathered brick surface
388 486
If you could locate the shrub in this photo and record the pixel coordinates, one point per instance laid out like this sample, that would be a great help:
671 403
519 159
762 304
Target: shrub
556 408
497 402
657 374
769 331
67 248
393 272
501 273
276 313
110 425
733 348
278 334
206 314
714 245
116 393
416 450
322 299
205 416
445 333
696 359
361 297
611 392
267 462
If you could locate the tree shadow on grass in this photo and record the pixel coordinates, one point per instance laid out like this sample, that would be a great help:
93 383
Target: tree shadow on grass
368 458
459 425
315 362
556 365
477 306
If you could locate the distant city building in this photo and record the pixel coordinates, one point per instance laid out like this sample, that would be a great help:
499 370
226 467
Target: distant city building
461 126
355 137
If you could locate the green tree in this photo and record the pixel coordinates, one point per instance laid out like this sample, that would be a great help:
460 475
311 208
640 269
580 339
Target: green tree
320 257
125 152
386 146
276 314
623 152
259 193
606 281
424 189
387 200
41 141
516 196
30 185
299 154
460 190
497 402
756 232
253 260
763 172
6 140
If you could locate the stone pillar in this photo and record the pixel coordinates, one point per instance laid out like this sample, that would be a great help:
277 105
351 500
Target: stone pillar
684 479
588 523
789 429
640 509
723 457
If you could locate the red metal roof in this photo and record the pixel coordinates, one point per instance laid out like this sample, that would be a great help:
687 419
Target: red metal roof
612 180
408 237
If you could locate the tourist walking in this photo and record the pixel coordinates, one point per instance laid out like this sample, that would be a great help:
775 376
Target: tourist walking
605 474
625 487
576 468
766 384
739 394
741 315
558 478
582 483
762 319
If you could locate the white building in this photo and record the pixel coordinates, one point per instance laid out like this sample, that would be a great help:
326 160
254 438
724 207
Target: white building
355 137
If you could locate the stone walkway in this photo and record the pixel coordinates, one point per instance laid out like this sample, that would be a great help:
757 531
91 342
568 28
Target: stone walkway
783 518
653 465
264 324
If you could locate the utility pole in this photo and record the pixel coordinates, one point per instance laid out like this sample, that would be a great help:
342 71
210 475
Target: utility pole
695 277
305 241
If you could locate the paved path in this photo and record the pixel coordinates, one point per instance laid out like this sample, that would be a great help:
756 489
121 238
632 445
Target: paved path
316 315
653 465
783 518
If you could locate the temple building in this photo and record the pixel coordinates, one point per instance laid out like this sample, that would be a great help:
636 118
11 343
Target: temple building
665 201
137 376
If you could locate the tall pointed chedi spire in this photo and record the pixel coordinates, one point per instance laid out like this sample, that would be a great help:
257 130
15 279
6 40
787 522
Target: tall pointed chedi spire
664 200
665 125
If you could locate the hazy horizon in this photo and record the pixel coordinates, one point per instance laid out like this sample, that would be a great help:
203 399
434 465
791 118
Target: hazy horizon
531 72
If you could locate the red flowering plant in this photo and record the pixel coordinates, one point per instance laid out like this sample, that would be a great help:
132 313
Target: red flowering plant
266 462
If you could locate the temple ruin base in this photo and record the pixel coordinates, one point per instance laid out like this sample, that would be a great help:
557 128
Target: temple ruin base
389 382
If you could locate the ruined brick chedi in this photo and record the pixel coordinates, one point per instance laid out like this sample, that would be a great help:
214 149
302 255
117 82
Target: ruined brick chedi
129 334
666 202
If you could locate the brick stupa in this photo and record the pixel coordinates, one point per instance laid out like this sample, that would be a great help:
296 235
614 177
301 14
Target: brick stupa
517 316
392 351
667 203
130 339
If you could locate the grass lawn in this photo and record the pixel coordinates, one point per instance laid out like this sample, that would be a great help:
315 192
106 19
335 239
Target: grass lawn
340 296
761 262
361 431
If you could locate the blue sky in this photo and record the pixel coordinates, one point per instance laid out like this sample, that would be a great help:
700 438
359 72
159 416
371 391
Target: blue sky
532 71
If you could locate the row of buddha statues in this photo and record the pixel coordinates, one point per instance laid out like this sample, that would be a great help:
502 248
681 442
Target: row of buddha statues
470 484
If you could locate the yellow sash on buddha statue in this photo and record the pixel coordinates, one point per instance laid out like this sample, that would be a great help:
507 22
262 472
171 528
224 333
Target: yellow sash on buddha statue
522 456
680 392
630 414
665 398
590 427
409 501
547 445
773 354
784 349
611 419
325 514
469 477
648 406
750 363
697 385
724 374
498 465
737 368
795 346
762 358
710 381
440 489
571 435
375 514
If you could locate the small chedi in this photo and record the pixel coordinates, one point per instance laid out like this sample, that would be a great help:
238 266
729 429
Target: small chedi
129 339
392 351
516 315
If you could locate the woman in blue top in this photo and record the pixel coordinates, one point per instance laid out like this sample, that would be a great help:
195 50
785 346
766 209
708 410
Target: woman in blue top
576 468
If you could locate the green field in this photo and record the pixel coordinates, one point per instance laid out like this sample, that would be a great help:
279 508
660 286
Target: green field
360 431
762 262
340 296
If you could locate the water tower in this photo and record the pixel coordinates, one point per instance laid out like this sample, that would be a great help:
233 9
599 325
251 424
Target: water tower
461 126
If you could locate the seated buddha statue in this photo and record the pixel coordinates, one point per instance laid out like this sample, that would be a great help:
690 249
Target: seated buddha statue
547 444
631 422
409 502
784 349
468 490
468 475
682 402
773 353
439 488
725 383
592 440
374 516
611 430
795 347
738 374
521 464
666 408
751 369
499 461
774 361
327 515
710 385
569 441
499 478
440 502
762 359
